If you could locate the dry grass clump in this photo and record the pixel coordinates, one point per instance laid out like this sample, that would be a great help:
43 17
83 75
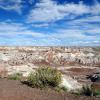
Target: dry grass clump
15 76
45 77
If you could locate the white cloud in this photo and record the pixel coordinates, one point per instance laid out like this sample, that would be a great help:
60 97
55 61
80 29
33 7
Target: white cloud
9 5
49 11
88 43
95 18
31 1
40 25
14 29
94 32
10 27
96 8
69 33
60 37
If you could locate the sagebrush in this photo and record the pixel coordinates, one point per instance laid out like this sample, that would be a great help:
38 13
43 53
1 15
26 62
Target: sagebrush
45 77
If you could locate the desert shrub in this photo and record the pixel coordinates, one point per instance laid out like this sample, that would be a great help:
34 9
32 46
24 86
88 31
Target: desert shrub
86 90
60 89
76 93
15 76
63 88
45 77
96 92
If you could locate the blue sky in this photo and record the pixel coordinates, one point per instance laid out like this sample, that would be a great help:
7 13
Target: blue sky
50 22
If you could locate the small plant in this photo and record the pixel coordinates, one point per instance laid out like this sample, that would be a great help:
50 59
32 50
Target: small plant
15 76
96 93
86 90
64 88
61 89
76 93
45 77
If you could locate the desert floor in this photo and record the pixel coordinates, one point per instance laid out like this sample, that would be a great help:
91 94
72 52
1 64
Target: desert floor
15 90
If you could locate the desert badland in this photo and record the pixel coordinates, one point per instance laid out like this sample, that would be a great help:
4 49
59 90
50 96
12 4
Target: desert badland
79 66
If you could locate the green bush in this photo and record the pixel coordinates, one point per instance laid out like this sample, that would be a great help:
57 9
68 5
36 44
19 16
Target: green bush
86 90
60 89
15 76
45 77
96 93
76 93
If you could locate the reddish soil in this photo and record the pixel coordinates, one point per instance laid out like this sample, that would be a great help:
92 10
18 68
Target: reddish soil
81 71
96 86
15 90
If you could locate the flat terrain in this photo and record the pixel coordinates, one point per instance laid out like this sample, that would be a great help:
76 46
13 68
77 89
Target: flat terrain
15 90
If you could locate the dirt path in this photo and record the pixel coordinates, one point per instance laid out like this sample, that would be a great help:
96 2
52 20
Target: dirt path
14 90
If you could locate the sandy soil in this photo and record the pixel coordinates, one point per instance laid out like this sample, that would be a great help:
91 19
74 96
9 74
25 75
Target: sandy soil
15 90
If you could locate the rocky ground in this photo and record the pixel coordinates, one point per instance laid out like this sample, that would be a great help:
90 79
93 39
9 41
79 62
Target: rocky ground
75 63
14 90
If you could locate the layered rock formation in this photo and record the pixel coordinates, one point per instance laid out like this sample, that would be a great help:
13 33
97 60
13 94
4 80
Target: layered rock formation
49 55
23 60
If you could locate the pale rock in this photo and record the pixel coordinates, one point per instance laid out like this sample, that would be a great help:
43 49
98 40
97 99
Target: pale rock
70 83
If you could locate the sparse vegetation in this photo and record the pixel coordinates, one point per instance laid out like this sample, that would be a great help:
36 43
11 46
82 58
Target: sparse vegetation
60 89
96 93
86 90
15 76
45 77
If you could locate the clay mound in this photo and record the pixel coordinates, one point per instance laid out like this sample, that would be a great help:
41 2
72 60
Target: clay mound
14 90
